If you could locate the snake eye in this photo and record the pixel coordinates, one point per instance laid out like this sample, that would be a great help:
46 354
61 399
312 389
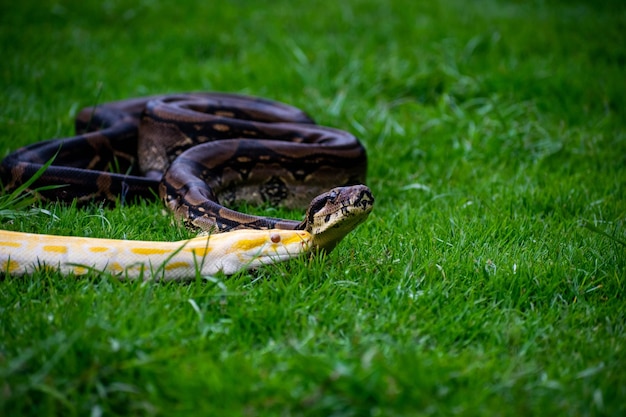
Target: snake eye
332 195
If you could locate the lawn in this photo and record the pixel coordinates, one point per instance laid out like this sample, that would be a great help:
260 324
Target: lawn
489 280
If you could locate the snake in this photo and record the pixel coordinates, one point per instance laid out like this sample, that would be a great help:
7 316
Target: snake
202 154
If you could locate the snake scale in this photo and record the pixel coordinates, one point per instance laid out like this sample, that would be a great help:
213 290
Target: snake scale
200 153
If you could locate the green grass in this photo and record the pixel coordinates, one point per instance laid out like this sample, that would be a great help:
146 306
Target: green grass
489 280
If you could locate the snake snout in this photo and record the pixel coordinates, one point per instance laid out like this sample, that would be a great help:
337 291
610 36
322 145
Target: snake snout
365 199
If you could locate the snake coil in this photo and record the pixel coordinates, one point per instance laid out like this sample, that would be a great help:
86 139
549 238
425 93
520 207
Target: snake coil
201 152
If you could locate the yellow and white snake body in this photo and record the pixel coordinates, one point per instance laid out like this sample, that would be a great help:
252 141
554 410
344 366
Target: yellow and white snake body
227 253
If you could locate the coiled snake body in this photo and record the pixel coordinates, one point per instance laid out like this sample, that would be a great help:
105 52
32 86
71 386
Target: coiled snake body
201 152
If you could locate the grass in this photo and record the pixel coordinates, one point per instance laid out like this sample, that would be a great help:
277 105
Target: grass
488 281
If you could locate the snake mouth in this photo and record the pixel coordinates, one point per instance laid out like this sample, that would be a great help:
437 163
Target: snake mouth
334 214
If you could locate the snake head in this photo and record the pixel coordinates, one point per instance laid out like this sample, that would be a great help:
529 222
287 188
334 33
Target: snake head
334 214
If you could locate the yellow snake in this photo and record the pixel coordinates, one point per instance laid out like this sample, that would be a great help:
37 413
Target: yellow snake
22 253
199 152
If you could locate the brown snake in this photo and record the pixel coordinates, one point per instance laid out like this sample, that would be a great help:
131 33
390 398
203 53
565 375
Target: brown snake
201 152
